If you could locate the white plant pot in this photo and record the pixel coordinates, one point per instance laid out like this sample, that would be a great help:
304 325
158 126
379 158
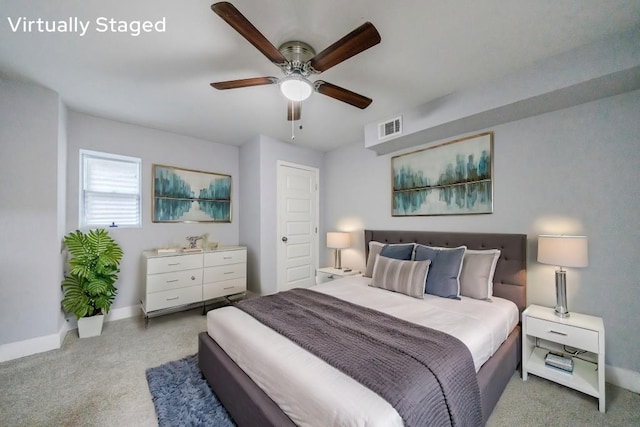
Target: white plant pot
90 326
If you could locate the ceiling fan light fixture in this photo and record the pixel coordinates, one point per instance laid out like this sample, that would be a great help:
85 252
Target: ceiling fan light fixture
295 87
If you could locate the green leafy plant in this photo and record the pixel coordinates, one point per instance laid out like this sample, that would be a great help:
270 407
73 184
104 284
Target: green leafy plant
89 285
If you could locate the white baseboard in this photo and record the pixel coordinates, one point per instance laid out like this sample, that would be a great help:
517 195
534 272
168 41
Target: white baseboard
18 349
623 378
15 350
124 313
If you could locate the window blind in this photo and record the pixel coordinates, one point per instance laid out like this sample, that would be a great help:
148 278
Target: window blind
110 190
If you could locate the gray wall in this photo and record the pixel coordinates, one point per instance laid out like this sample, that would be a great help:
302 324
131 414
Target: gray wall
250 188
570 171
32 171
262 154
154 147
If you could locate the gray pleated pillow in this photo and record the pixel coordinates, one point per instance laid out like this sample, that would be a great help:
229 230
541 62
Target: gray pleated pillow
405 277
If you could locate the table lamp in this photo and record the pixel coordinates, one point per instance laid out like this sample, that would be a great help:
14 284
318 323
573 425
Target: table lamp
338 240
562 251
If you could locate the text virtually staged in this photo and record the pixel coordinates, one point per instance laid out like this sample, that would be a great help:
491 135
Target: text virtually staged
79 26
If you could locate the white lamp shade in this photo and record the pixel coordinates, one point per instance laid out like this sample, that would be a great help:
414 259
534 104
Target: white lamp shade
563 251
295 87
338 240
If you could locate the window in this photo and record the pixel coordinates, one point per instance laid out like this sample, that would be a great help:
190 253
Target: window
109 190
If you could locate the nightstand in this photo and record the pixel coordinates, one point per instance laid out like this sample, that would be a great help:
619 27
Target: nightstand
542 331
328 274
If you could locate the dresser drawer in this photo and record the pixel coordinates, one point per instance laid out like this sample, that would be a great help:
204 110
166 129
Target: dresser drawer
226 287
175 280
224 258
224 272
168 264
572 336
173 297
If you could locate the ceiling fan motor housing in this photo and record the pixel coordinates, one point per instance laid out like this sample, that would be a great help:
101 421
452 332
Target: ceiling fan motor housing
298 54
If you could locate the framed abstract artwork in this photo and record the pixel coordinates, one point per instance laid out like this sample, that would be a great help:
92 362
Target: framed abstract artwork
454 178
184 195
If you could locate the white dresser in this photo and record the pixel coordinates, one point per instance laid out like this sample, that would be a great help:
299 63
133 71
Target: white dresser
182 279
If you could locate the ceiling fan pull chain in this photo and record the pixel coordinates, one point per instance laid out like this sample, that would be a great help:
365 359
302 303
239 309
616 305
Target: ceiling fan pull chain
293 135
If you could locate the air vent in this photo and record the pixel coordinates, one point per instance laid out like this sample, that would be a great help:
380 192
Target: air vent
390 128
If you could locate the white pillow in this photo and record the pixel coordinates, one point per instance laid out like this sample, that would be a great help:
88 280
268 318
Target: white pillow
476 276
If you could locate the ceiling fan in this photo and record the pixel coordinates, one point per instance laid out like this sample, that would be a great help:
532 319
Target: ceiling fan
298 61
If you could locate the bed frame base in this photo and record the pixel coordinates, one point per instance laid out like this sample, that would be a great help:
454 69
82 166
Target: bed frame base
248 405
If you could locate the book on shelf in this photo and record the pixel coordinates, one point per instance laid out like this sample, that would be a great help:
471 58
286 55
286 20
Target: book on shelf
166 250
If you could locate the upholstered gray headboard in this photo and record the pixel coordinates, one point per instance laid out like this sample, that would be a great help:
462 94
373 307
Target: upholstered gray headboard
510 279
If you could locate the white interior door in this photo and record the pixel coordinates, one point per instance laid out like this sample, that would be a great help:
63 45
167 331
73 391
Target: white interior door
297 225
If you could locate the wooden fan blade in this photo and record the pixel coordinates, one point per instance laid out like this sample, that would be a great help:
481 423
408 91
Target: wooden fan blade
234 84
342 94
233 17
293 110
358 40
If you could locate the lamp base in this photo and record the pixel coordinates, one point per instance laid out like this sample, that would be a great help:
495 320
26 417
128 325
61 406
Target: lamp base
338 260
561 294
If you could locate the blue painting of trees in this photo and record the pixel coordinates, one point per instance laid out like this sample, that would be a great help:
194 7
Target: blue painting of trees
463 185
176 199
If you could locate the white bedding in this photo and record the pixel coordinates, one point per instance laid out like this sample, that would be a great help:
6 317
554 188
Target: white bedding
311 392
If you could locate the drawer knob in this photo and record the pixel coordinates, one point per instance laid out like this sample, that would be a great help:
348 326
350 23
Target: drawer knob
193 277
558 333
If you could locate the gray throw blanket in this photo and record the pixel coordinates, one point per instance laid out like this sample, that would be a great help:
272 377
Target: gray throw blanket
426 375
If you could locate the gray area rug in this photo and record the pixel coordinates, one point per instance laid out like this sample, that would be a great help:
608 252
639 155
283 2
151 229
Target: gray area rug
182 396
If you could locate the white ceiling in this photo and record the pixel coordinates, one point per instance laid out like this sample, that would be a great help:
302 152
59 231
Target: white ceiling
429 48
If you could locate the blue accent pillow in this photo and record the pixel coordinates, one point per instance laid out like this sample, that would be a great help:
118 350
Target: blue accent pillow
443 279
402 252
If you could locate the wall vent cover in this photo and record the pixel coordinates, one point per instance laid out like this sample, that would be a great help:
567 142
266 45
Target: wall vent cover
390 128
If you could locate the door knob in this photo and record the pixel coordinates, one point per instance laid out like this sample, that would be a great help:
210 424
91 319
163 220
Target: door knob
284 239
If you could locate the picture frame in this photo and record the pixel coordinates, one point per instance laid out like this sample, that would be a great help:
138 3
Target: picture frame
453 178
187 196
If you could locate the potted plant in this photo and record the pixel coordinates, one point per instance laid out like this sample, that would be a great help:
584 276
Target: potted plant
89 285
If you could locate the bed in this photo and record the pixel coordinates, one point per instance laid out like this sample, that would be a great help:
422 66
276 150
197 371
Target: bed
248 404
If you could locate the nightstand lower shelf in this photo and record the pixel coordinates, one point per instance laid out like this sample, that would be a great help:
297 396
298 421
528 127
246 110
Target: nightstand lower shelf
584 377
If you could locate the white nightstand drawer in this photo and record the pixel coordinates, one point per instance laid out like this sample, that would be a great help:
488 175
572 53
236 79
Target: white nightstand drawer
224 272
173 263
226 287
173 297
572 336
225 258
175 280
